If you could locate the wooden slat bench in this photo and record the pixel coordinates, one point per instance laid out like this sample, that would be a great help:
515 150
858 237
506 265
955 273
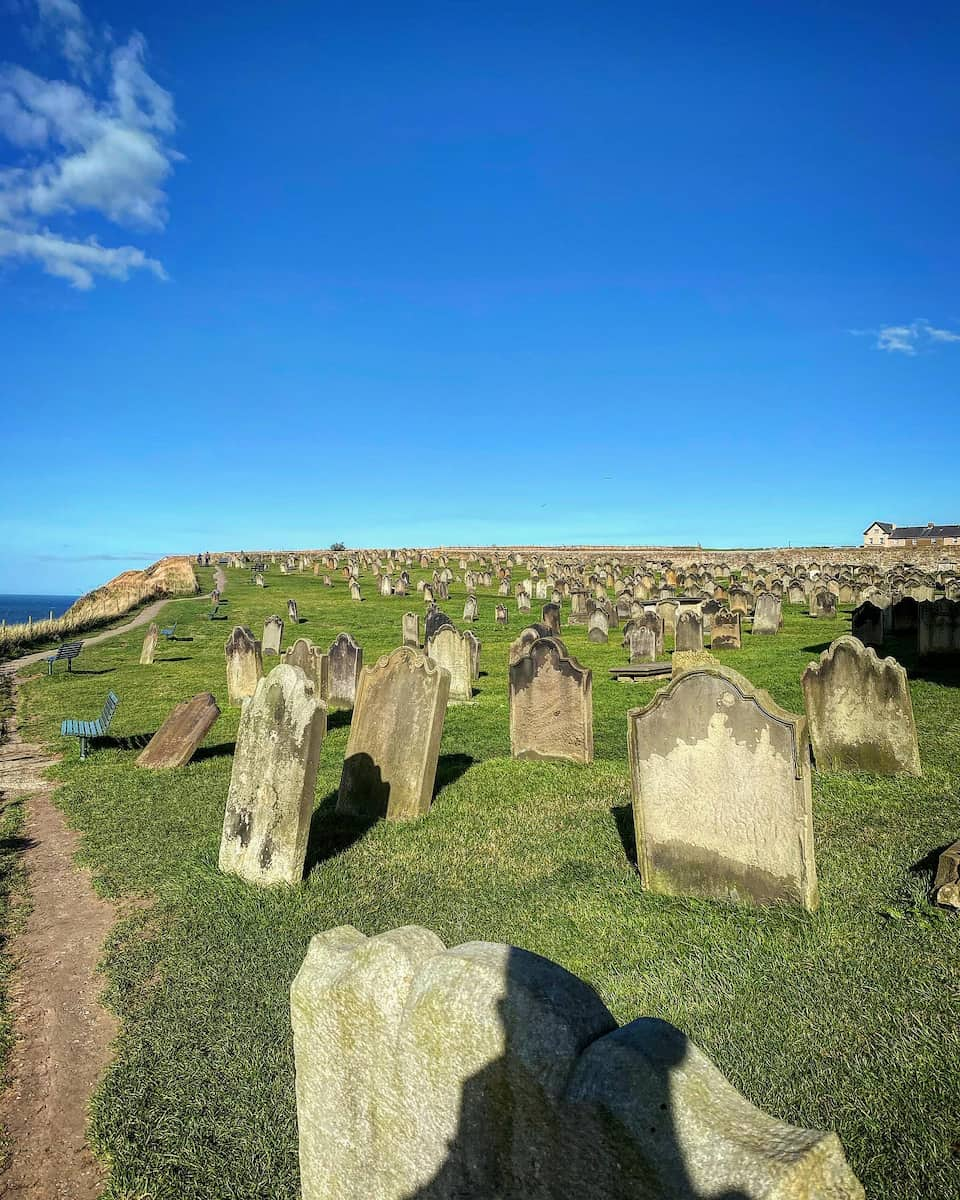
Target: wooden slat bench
69 651
86 730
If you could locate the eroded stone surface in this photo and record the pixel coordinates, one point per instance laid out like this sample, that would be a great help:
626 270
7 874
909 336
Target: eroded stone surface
149 648
344 664
312 662
394 744
244 664
177 739
486 1071
551 704
721 792
270 802
453 652
946 883
860 711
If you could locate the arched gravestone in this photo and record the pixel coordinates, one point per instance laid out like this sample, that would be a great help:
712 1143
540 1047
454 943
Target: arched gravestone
486 1071
272 635
551 704
866 623
501 614
823 603
938 627
768 614
725 634
667 610
267 818
860 711
471 610
313 662
598 627
293 613
525 639
410 629
689 630
451 650
344 663
721 792
550 616
434 622
394 744
244 664
641 643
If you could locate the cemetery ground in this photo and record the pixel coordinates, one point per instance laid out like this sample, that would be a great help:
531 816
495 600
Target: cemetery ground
844 1019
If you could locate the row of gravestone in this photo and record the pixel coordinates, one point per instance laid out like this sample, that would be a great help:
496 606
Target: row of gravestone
935 625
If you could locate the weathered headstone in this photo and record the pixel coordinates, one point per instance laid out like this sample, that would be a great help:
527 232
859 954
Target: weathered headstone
470 610
345 662
244 664
149 647
434 622
486 1071
451 650
177 739
598 627
721 792
866 624
270 801
946 881
293 613
938 628
725 634
551 704
272 635
501 614
860 712
394 744
768 614
823 603
313 662
689 631
641 642
550 616
411 630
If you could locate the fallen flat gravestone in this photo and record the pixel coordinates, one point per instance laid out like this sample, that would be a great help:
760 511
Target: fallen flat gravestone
270 802
860 711
178 737
394 744
487 1071
721 792
644 670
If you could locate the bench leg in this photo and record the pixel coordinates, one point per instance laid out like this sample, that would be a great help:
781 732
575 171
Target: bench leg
49 668
70 665
83 748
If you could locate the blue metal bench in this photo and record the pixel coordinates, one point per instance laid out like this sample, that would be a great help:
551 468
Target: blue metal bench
69 651
170 631
85 730
212 614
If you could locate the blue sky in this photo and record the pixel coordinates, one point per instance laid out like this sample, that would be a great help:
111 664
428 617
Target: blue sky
420 274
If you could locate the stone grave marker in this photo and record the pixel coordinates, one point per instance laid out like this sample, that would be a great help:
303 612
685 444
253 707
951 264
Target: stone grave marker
866 624
313 662
451 651
860 712
270 801
768 614
721 792
471 611
551 704
394 744
344 664
149 648
293 612
244 664
823 603
641 642
272 635
598 627
411 630
689 631
725 634
175 742
501 614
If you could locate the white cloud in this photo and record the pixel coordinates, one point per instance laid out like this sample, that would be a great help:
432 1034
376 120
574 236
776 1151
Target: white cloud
908 339
97 148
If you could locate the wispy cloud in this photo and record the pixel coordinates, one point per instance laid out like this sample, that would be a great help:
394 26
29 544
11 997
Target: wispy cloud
908 339
97 146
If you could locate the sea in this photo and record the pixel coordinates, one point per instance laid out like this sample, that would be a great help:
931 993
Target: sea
15 609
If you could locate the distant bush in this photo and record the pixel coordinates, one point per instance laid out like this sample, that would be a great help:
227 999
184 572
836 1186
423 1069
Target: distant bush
338 546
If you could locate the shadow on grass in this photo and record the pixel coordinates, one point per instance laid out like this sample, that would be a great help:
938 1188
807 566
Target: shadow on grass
450 767
79 671
132 741
929 863
332 833
175 658
339 718
818 648
221 750
623 815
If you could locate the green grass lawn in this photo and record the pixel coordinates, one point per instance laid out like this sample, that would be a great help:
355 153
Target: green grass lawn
845 1020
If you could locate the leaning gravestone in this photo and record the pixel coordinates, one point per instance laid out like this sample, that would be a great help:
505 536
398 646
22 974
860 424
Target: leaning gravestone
435 620
244 664
486 1071
475 647
410 630
501 614
312 662
946 881
550 616
149 648
768 614
293 612
860 711
823 603
175 742
344 663
551 704
272 635
394 744
270 802
725 634
451 650
471 611
721 792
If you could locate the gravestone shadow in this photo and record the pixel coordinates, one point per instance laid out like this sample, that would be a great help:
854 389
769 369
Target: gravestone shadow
333 833
339 718
174 658
483 1161
130 741
221 750
450 767
90 671
623 816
